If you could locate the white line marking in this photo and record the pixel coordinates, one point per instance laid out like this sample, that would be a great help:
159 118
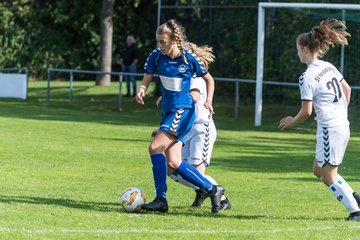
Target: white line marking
182 231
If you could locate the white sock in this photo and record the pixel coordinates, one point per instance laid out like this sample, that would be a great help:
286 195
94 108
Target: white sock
179 179
344 183
214 183
211 179
344 195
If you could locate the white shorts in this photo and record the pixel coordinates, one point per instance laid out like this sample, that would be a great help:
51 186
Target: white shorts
331 144
199 143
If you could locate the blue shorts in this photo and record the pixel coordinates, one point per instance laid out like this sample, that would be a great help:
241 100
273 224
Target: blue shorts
178 122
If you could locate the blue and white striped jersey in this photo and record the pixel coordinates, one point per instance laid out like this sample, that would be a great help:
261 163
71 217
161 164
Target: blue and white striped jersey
175 76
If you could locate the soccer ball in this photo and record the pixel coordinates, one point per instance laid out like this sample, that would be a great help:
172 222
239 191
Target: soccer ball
131 199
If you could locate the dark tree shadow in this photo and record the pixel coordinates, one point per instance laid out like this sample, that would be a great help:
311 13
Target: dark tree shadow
68 203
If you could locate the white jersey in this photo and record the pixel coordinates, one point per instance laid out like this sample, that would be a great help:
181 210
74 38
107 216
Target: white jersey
201 112
199 142
320 83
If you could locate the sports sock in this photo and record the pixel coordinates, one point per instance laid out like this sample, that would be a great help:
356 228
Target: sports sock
190 174
344 195
344 183
176 177
223 197
211 179
159 172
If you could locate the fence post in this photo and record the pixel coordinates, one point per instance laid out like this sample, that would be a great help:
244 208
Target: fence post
120 93
237 99
48 85
71 86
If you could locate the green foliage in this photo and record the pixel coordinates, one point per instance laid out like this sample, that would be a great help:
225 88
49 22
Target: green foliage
230 27
66 34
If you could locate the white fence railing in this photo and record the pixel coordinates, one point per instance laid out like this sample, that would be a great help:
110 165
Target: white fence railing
121 74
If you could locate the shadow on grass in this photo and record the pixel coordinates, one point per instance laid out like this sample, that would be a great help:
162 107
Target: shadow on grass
174 211
100 104
264 154
275 153
75 112
125 140
263 164
92 206
314 179
185 211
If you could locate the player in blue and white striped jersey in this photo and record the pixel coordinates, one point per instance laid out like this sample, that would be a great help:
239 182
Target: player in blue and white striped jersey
323 87
176 64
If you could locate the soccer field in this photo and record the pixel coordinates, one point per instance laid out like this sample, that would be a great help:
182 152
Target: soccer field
64 165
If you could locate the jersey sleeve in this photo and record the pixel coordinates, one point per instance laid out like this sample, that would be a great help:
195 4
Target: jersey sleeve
338 75
150 64
306 89
197 66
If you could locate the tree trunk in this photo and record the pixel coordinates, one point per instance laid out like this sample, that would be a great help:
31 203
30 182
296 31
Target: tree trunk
106 27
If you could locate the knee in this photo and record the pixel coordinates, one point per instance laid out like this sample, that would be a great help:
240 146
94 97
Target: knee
316 170
155 148
317 173
172 165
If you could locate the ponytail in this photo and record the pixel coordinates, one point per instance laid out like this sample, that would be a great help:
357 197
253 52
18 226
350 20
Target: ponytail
329 33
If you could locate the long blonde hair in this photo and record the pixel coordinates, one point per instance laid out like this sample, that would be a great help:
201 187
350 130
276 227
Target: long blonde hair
329 33
176 32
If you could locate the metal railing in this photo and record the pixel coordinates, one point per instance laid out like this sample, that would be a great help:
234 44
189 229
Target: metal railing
121 74
71 80
22 69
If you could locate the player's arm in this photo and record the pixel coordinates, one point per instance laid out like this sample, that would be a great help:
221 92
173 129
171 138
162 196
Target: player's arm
303 114
210 86
346 89
142 89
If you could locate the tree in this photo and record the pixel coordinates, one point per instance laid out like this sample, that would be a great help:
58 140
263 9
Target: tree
106 29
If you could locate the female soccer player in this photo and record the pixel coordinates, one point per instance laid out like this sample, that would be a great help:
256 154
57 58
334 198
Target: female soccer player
199 142
175 66
323 87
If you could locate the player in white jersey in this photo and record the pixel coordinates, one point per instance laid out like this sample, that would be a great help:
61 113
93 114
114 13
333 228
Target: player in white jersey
323 87
199 143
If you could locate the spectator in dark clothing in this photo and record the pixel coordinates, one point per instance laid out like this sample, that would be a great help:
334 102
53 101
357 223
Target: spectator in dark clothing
129 61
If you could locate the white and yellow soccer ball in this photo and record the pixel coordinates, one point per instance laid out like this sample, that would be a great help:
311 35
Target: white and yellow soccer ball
131 199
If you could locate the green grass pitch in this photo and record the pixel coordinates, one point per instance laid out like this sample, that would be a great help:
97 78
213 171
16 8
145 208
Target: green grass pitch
64 165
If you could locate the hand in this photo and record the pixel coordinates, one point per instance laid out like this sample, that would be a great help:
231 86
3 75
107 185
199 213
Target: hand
286 122
140 96
209 106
